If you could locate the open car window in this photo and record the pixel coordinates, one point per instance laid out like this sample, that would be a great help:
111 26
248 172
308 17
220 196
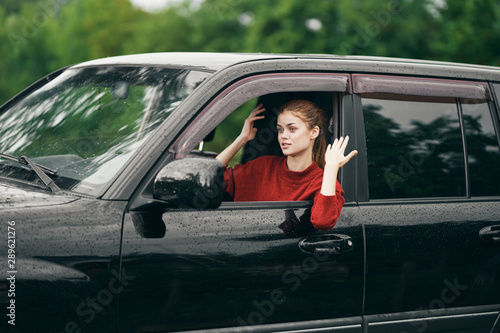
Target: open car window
271 85
220 123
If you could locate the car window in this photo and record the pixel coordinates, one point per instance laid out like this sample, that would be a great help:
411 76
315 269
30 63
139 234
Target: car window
88 122
250 88
221 121
417 133
483 152
414 148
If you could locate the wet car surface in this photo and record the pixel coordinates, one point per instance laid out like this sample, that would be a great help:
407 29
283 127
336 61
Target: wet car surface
115 218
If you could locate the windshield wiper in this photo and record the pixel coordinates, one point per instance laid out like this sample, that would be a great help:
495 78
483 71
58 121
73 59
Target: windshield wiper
40 170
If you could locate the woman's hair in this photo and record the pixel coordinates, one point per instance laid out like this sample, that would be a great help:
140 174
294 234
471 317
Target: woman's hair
312 115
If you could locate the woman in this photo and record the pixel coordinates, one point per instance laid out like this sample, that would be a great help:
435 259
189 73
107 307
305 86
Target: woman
308 171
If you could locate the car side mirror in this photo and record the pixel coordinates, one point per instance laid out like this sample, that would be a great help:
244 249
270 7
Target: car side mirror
190 183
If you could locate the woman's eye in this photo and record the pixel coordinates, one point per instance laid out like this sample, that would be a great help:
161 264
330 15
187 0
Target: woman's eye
292 129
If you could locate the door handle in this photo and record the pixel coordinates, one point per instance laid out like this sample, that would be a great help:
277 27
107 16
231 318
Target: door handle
331 244
491 233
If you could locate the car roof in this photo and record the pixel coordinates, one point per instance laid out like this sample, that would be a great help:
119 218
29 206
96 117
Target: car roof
213 62
200 60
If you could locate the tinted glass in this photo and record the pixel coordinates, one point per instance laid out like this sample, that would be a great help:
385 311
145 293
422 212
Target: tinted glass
482 150
414 148
87 122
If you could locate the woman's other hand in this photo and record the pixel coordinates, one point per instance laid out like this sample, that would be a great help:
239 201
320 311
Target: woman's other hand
248 131
334 154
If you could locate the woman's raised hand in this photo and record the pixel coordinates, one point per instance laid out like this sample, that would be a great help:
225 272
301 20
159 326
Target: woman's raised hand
248 131
334 154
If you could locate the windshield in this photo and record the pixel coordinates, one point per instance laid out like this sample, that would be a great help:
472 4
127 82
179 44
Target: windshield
87 122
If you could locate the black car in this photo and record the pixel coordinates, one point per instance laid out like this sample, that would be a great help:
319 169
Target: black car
115 219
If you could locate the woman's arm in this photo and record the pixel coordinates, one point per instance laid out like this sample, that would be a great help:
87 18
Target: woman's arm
334 160
247 133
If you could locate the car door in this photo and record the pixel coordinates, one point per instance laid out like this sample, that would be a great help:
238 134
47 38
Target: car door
257 266
430 214
236 266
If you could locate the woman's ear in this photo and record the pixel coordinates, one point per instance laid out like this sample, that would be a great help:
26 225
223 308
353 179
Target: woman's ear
314 132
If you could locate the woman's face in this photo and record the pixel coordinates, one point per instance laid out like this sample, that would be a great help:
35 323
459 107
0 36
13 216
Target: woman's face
294 136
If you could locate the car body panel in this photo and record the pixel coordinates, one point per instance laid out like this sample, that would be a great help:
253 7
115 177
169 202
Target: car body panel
66 260
237 267
17 197
429 257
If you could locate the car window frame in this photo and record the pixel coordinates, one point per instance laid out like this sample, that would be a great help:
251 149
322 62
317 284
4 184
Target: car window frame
493 111
489 96
495 106
246 89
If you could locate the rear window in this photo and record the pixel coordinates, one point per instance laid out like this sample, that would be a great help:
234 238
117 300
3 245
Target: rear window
429 138
414 149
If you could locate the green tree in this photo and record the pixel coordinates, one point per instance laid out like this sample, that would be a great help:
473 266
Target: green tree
23 52
386 28
470 32
39 36
14 6
166 31
92 29
215 26
372 27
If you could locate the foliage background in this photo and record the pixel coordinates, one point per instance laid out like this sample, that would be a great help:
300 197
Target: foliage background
39 36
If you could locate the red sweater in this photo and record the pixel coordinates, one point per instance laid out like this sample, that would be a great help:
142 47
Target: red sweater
267 178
